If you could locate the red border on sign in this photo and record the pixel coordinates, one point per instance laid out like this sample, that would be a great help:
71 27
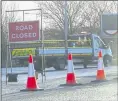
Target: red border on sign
26 31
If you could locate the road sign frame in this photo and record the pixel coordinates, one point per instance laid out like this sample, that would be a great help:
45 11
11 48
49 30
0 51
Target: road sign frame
39 30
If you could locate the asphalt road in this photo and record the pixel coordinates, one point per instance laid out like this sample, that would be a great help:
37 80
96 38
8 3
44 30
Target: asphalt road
104 91
88 91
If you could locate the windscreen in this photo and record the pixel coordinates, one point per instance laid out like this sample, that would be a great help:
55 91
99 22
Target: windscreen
80 41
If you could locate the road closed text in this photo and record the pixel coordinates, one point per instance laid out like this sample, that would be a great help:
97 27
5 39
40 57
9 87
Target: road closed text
26 27
24 35
24 31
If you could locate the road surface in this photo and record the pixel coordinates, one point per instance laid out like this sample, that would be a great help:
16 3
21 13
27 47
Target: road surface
87 91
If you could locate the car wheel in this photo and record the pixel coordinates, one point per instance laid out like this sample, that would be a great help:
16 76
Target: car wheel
59 64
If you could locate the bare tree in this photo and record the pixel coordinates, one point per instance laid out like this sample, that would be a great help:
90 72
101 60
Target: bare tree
80 13
55 11
97 9
93 12
6 17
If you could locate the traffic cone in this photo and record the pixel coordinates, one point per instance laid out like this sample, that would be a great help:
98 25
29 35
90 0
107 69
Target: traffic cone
70 77
31 80
100 70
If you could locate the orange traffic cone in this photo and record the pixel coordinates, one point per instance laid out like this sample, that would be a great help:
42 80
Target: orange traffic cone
31 80
100 70
70 78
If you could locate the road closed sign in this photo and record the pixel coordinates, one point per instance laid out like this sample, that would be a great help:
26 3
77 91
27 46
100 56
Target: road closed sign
24 31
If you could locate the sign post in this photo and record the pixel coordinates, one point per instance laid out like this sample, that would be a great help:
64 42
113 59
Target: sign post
22 32
66 28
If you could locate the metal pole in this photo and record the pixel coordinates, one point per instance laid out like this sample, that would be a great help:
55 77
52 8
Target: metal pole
66 28
42 44
10 57
101 29
23 10
7 61
7 52
36 16
23 15
43 56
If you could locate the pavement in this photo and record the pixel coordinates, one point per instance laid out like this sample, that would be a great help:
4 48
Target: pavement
87 91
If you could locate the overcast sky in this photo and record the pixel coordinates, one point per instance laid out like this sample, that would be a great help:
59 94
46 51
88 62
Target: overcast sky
26 5
21 5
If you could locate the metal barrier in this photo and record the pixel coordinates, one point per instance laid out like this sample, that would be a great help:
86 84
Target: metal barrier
71 43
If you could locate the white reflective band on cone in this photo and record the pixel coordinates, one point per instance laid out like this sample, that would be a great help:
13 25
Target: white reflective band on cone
100 64
70 66
31 72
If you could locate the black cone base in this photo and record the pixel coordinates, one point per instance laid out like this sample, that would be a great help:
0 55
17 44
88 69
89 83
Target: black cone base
77 84
25 90
96 81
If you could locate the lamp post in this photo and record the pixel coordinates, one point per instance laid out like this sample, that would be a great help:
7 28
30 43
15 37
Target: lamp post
65 27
